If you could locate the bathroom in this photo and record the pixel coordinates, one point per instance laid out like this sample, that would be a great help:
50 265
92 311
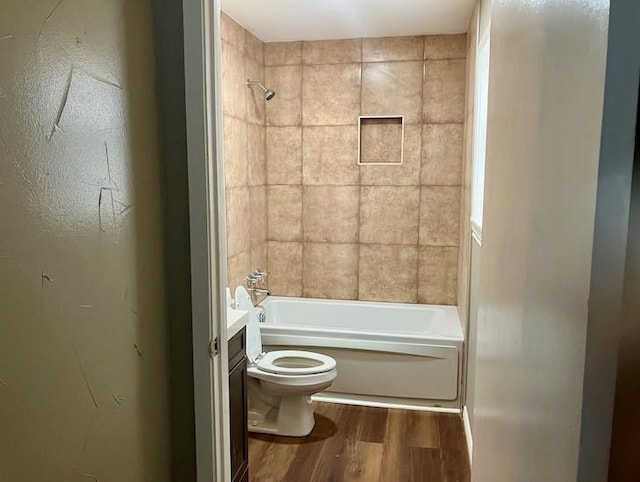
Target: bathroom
347 176
432 254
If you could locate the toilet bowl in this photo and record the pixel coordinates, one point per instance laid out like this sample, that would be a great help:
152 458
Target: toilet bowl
280 383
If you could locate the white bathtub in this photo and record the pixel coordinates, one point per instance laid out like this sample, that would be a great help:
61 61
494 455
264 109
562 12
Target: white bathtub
399 353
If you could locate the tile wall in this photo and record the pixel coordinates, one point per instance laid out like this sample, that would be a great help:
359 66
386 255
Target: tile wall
244 151
339 230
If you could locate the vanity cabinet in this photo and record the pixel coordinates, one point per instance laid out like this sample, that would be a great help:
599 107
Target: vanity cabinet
238 407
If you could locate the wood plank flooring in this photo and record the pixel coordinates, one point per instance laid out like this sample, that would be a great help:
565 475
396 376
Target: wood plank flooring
362 444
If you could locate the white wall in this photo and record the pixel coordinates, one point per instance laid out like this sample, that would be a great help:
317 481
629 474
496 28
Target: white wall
545 110
472 333
470 248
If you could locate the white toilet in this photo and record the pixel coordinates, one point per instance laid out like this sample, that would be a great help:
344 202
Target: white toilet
280 383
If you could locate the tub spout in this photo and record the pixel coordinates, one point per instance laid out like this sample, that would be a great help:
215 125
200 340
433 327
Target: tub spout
260 291
258 294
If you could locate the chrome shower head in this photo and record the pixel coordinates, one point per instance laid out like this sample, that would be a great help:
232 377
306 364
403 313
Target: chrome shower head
268 93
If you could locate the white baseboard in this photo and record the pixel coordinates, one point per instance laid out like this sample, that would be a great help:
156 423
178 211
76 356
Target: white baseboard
467 433
347 399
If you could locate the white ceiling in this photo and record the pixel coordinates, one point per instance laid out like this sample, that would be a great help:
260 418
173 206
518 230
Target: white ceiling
285 20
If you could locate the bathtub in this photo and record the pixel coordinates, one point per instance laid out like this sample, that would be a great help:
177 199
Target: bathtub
400 354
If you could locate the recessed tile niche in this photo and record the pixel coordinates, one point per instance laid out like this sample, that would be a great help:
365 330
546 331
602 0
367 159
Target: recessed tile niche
380 140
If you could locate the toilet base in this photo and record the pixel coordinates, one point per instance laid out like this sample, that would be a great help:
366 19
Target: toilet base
293 418
286 413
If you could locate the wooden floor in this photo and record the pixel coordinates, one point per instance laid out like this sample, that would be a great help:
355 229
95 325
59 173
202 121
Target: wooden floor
365 444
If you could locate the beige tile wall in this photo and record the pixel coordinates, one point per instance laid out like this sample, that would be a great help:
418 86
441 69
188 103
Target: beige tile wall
245 147
339 230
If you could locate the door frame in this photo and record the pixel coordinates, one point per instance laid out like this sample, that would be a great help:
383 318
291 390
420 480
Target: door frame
201 22
617 150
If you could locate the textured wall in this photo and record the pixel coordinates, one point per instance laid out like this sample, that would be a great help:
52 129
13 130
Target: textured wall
169 38
244 151
545 112
83 346
339 230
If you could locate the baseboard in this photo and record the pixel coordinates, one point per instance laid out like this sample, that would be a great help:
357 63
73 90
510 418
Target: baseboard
467 432
363 401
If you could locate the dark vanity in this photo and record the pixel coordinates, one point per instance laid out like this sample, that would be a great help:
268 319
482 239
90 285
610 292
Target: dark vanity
238 407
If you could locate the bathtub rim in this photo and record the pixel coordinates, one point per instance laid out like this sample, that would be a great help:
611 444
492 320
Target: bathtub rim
456 337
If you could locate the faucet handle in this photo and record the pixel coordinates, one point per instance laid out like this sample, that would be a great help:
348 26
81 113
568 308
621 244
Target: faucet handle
252 280
259 274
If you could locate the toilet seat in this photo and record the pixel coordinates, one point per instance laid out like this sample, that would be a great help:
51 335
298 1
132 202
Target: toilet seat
295 362
292 381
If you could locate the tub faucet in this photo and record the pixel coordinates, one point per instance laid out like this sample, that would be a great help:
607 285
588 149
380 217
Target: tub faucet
256 278
255 285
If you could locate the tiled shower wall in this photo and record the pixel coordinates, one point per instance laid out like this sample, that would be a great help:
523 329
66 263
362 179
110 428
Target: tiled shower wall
339 230
244 151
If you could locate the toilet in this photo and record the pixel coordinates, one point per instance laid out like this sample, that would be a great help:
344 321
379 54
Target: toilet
280 383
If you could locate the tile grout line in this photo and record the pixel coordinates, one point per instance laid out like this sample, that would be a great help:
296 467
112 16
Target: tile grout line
264 166
266 173
364 185
447 122
408 245
246 147
316 64
422 99
358 294
302 270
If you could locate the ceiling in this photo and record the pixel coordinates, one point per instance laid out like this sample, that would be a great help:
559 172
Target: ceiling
285 20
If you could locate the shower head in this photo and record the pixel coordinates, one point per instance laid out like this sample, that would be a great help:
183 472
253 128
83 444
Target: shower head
268 93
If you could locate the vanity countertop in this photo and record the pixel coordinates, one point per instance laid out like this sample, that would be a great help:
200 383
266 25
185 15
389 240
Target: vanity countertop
236 321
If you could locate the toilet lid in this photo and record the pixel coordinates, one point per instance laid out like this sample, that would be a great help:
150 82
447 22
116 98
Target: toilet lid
254 340
296 362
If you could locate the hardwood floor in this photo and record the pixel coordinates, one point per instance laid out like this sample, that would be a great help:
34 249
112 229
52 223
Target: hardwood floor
365 444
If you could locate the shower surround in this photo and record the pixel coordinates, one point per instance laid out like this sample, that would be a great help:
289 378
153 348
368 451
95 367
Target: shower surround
244 151
334 229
